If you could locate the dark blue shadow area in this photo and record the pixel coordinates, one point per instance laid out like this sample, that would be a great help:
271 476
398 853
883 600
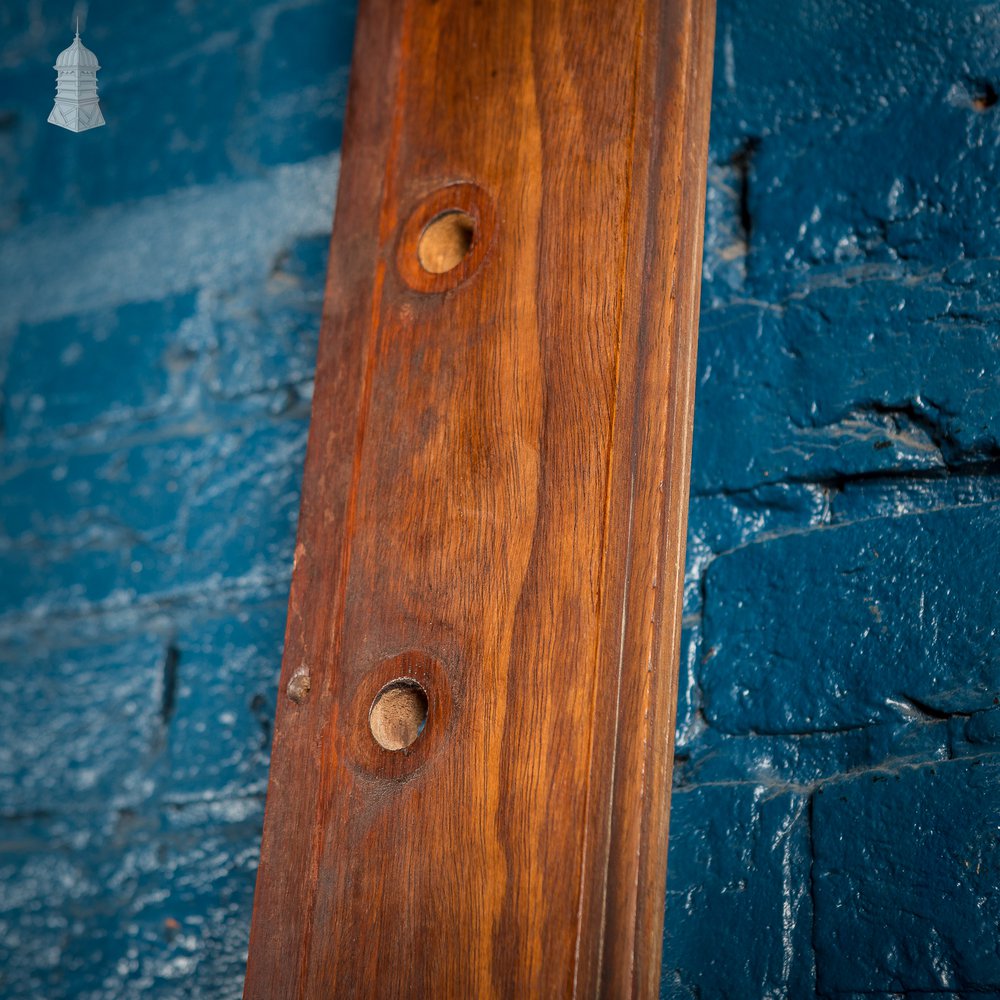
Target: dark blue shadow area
834 821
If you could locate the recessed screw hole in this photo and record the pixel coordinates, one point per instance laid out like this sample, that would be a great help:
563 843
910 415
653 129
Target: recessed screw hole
398 714
445 241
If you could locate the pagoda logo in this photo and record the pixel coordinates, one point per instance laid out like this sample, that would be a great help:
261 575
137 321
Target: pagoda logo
76 106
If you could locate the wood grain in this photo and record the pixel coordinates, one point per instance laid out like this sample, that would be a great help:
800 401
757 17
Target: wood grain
494 506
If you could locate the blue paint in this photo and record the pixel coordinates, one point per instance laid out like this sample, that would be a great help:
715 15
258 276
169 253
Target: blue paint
838 737
930 832
835 807
750 847
121 349
864 623
162 291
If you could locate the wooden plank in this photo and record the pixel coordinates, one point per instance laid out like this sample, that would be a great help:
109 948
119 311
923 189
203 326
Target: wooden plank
493 509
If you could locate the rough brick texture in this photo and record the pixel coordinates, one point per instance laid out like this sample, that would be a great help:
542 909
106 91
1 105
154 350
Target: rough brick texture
161 283
836 806
835 818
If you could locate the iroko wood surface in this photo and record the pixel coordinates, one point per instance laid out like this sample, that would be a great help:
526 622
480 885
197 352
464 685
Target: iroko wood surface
494 505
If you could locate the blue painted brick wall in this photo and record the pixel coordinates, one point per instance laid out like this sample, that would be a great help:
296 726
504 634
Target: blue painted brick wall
161 281
836 816
836 810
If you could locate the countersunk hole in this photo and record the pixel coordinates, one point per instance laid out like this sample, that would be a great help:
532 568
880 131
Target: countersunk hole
398 714
445 241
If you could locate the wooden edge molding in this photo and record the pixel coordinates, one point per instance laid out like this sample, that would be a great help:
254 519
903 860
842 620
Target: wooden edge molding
471 768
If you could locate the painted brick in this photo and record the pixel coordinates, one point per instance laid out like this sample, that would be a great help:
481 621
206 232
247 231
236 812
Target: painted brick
147 155
219 740
109 365
140 912
302 81
738 905
179 714
129 848
724 521
803 760
906 889
242 520
128 364
865 500
209 92
848 626
839 121
881 202
162 284
79 725
690 722
152 520
847 324
262 337
896 372
201 238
